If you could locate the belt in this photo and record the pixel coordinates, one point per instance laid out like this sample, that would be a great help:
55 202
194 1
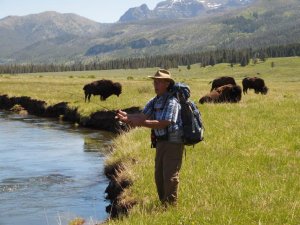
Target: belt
162 138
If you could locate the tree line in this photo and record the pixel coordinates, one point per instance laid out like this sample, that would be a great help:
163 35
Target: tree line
211 58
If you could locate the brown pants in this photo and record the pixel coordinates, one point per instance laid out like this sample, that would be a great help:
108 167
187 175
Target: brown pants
167 165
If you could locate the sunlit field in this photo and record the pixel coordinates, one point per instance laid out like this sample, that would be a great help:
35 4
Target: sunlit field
246 171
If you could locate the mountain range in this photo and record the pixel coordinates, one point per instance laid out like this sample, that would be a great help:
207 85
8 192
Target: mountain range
171 9
173 26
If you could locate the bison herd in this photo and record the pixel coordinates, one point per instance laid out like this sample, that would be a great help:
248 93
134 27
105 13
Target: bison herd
224 89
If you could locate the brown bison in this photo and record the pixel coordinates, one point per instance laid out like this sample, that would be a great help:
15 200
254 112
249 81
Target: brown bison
104 88
218 82
255 83
225 93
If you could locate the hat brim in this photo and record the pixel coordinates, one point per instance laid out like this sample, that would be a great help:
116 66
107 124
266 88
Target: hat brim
161 78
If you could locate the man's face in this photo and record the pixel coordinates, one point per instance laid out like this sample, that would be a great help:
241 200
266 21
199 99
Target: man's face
161 86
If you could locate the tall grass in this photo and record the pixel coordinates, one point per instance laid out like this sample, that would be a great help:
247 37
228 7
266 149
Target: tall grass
246 171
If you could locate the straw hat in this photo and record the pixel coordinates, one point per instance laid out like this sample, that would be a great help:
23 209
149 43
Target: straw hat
162 74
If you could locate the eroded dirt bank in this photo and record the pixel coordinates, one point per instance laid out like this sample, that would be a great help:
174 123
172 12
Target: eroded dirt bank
102 120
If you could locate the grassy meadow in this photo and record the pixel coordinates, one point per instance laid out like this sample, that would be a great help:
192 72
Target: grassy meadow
246 171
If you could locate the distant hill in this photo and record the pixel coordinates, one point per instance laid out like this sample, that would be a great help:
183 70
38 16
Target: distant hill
52 37
39 33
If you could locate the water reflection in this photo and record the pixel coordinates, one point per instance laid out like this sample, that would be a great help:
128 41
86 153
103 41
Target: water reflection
95 144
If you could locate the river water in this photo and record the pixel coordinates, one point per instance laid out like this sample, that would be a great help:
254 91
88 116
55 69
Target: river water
50 172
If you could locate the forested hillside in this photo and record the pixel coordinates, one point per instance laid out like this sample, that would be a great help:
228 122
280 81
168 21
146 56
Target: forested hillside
64 38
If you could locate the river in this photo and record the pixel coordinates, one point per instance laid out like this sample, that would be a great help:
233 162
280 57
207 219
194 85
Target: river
50 171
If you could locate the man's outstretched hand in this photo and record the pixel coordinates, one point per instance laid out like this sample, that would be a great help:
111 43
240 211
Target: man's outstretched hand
131 119
122 116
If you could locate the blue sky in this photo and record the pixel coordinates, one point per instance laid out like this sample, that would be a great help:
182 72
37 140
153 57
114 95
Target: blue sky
104 11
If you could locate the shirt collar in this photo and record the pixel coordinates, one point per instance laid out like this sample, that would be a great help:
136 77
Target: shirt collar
165 95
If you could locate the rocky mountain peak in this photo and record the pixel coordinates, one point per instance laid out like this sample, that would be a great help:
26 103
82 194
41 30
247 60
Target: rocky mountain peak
137 13
175 9
172 9
169 9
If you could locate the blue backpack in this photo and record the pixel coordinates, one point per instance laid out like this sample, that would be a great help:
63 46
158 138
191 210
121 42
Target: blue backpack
193 128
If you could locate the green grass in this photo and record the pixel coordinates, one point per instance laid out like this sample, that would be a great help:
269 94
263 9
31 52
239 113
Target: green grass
247 171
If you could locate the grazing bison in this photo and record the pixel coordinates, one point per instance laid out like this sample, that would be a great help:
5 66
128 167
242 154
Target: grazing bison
225 93
255 83
104 88
218 82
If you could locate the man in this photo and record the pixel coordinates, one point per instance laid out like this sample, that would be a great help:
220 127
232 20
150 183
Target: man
162 114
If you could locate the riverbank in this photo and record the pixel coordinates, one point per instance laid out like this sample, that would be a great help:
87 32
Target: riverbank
245 172
102 120
60 95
